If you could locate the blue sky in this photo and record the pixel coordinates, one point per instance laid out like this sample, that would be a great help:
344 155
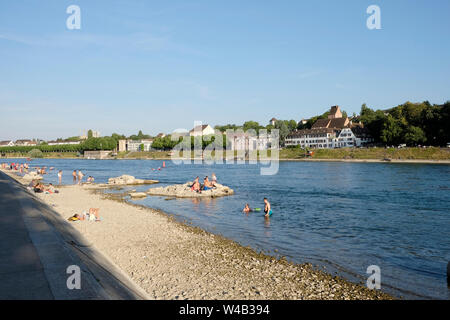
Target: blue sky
160 65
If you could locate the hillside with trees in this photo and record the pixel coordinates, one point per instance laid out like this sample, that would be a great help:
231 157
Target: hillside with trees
409 123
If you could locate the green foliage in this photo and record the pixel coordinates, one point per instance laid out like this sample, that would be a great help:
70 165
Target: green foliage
165 143
227 127
410 123
139 136
35 153
283 129
103 143
90 134
252 125
415 136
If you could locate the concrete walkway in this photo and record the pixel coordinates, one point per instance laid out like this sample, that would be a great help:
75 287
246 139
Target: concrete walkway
36 248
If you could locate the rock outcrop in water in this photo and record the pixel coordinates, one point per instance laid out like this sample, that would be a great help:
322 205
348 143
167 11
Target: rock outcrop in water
129 180
136 195
184 191
32 176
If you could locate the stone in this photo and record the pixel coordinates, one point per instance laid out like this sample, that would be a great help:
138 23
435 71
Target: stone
129 180
138 194
184 191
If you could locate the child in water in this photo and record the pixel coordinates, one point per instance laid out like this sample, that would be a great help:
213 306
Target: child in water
247 209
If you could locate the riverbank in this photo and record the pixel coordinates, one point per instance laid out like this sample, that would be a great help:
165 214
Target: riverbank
404 155
171 260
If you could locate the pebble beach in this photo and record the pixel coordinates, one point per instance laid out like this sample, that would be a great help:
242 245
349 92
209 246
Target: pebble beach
172 260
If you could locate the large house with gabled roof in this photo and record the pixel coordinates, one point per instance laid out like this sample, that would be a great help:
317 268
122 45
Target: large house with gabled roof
333 132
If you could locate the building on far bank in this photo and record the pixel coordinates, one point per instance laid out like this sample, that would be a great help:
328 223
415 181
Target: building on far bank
248 142
61 143
273 121
7 143
135 145
203 130
95 134
330 133
25 142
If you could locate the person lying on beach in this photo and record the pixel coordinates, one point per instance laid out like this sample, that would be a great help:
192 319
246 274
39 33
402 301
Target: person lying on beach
32 184
91 215
39 188
90 179
51 189
247 208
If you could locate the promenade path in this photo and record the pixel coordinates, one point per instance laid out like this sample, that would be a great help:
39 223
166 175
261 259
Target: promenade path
36 248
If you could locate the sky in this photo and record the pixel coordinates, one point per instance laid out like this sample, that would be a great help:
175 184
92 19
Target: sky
158 66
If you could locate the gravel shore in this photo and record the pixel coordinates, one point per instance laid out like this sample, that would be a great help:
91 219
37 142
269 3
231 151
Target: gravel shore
171 260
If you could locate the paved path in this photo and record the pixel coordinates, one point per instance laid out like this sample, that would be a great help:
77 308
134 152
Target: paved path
36 248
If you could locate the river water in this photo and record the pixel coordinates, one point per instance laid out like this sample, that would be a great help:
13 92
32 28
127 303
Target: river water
343 217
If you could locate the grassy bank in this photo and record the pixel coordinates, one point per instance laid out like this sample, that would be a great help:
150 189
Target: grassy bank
371 154
428 154
53 155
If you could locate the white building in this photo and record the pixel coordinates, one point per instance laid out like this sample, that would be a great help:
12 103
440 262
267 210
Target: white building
334 132
25 142
243 141
61 143
135 145
7 143
203 130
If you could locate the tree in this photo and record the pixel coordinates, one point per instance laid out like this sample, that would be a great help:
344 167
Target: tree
283 130
252 125
90 134
414 136
392 132
292 125
35 153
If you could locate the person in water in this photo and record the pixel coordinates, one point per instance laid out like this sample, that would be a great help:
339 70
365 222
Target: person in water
74 175
247 208
267 208
80 177
59 177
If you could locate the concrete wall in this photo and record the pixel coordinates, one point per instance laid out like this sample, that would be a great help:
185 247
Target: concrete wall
100 154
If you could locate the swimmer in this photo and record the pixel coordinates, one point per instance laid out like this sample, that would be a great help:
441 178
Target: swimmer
267 208
247 209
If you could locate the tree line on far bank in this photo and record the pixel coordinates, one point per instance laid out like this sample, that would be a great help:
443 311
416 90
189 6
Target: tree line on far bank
409 123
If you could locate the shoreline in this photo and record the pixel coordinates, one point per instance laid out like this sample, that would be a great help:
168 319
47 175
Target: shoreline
407 161
170 259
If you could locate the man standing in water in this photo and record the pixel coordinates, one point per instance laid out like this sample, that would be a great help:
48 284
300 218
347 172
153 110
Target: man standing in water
74 175
60 176
267 208
80 177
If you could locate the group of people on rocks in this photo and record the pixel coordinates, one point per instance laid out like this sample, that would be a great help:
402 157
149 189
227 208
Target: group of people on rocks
207 184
